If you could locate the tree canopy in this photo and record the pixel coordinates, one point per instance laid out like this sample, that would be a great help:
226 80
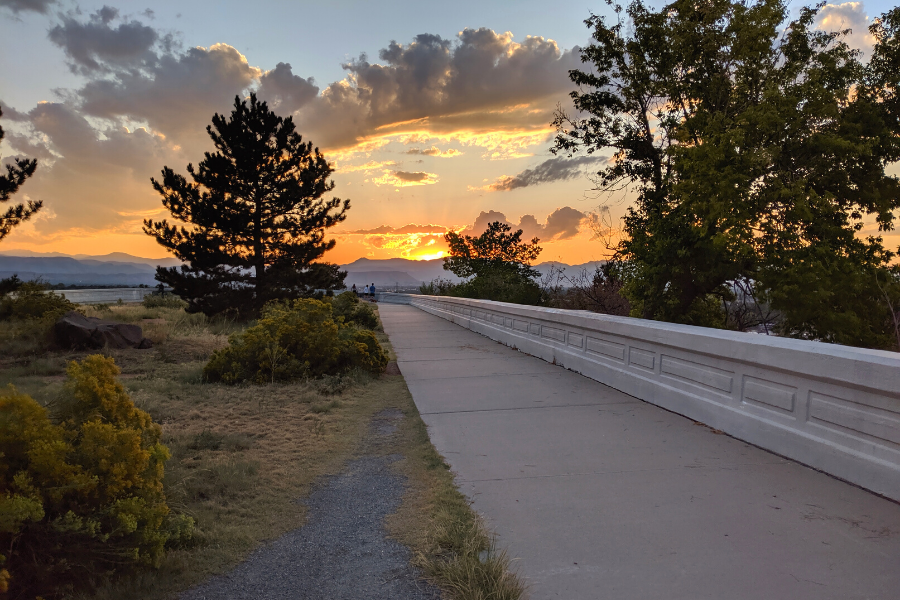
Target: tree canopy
15 176
256 216
497 263
758 154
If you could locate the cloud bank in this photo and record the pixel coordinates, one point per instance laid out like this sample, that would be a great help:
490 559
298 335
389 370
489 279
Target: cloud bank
405 178
144 101
19 6
848 15
482 80
563 223
553 169
434 151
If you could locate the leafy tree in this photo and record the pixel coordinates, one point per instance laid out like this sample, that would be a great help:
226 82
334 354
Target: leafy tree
9 184
256 214
757 151
497 263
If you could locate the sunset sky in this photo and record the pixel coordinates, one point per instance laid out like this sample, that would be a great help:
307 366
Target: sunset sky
435 114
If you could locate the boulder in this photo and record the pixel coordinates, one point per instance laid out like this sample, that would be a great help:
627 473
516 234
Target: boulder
75 331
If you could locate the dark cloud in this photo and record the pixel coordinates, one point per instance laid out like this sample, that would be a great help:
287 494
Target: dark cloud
434 151
378 230
95 45
553 169
90 179
79 143
96 164
410 177
26 146
562 223
476 80
18 6
11 114
179 95
285 91
411 228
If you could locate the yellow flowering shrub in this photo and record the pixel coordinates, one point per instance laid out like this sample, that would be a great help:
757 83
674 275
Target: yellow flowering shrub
295 340
81 490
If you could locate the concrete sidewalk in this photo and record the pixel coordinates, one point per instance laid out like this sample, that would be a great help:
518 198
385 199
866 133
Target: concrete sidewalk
599 495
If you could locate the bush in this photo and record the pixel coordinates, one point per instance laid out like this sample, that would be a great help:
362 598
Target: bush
295 340
30 300
437 287
83 492
499 286
163 300
348 306
600 291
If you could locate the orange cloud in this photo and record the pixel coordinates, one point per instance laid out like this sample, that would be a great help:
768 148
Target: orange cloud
419 246
405 178
369 166
435 151
497 144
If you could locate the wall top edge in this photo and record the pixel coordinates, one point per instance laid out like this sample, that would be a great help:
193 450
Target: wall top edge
748 347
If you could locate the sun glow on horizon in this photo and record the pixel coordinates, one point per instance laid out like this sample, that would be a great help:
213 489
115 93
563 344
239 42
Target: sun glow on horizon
431 256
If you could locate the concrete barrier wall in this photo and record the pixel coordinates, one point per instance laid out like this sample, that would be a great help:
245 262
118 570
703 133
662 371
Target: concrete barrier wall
831 407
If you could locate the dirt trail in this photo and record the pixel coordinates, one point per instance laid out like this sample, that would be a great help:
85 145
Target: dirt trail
343 552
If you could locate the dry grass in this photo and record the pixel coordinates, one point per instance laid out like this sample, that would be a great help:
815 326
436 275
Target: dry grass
450 542
243 455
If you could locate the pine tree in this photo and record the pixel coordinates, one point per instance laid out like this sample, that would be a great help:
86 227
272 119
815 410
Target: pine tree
255 214
9 184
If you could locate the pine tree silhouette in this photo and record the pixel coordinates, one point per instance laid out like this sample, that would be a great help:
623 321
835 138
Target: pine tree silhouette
9 184
255 214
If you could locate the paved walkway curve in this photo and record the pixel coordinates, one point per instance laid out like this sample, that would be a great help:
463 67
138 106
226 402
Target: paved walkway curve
600 495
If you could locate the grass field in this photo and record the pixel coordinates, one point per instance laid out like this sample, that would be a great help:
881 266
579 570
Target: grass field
243 455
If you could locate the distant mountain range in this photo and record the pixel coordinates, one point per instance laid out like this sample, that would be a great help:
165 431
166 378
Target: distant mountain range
390 271
118 268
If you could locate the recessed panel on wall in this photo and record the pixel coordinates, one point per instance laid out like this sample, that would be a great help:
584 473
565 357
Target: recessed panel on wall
854 419
769 394
606 348
576 339
553 333
697 373
644 359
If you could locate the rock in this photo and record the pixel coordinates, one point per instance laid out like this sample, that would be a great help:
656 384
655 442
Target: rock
75 331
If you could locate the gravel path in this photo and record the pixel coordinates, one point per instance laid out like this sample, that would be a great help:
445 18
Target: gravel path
342 553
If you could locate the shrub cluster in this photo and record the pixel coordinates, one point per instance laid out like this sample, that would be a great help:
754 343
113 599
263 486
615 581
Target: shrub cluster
499 285
30 300
163 300
294 340
348 306
82 486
